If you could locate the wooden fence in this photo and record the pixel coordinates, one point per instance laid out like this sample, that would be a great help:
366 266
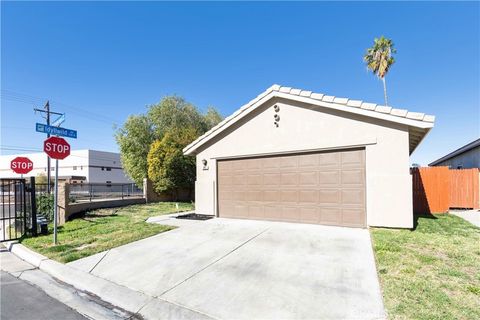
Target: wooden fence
436 189
464 192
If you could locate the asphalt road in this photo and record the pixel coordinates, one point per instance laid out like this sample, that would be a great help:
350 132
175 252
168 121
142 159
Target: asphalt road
21 300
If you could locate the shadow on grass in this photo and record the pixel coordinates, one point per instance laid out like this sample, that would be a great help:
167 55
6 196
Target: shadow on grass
417 216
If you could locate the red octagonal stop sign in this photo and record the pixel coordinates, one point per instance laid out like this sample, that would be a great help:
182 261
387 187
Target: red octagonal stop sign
56 148
21 165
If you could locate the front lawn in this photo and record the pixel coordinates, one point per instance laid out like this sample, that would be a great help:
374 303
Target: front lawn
432 272
103 229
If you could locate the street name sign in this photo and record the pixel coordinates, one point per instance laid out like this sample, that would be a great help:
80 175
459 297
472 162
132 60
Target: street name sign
56 148
21 165
56 131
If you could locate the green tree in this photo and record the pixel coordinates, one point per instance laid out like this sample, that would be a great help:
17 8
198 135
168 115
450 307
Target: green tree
211 118
379 58
170 170
134 139
173 113
41 178
174 119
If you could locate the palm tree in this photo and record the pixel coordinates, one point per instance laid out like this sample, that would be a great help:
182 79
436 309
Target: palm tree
379 59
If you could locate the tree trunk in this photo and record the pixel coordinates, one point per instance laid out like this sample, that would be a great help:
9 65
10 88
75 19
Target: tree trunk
385 91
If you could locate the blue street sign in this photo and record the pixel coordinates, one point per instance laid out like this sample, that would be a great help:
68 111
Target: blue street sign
56 131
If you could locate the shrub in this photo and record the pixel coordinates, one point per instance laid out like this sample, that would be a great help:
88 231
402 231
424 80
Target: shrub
45 205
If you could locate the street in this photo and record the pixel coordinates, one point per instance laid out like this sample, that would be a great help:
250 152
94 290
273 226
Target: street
21 300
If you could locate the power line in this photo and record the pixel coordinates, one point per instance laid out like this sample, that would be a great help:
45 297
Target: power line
10 95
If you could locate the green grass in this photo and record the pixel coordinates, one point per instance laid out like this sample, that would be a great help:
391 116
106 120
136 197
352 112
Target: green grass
432 272
102 229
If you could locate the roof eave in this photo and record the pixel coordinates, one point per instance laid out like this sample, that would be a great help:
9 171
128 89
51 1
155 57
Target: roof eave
417 120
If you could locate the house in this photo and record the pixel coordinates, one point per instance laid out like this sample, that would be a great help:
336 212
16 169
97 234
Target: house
298 156
81 166
465 157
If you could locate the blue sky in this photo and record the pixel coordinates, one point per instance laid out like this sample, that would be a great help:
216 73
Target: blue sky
101 61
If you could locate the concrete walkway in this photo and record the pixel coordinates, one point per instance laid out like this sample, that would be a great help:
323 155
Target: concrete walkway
472 216
242 269
27 293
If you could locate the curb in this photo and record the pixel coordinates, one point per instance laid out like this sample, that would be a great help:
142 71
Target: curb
130 300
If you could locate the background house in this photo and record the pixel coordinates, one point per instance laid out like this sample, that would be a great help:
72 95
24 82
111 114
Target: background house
82 166
465 157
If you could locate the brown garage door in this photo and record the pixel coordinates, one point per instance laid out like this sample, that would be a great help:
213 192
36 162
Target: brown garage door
323 187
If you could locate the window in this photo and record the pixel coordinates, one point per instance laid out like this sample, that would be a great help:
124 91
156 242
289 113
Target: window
103 168
109 169
81 167
74 167
460 166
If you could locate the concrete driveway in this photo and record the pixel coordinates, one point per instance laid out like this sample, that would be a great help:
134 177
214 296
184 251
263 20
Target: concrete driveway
243 269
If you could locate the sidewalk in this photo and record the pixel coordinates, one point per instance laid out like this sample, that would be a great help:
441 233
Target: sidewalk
46 296
472 216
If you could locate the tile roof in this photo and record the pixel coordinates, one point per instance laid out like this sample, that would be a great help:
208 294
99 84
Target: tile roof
416 118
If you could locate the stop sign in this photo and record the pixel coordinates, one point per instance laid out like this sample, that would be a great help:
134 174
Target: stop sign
21 165
56 148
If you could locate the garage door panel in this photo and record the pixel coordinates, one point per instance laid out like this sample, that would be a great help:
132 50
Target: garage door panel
329 177
256 212
325 188
254 195
254 179
329 196
308 160
291 214
288 162
308 196
290 178
353 197
352 217
330 159
310 214
308 178
271 195
289 196
352 158
352 177
271 212
331 216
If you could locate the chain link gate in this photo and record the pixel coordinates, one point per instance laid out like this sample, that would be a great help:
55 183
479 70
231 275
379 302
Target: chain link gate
17 208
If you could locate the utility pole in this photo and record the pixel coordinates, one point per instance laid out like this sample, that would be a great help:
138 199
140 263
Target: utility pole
47 112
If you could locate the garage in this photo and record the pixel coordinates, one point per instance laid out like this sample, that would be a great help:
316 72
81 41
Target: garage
298 156
321 188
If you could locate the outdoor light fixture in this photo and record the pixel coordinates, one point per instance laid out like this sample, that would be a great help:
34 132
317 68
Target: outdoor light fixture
276 108
276 117
205 162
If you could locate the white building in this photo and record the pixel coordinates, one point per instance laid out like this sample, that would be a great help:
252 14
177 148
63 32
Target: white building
87 166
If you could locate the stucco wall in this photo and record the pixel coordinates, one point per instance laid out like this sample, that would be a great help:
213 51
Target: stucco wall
468 160
389 190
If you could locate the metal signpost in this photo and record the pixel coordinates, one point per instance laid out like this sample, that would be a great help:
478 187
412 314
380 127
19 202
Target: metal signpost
56 148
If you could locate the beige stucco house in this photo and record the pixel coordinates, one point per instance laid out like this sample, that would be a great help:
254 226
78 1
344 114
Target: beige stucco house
298 156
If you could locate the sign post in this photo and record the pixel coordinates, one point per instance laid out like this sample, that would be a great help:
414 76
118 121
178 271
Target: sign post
56 148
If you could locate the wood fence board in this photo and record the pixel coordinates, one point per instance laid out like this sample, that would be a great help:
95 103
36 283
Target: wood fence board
436 189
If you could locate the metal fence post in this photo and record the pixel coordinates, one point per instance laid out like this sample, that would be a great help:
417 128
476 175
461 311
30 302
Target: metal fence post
90 192
33 202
